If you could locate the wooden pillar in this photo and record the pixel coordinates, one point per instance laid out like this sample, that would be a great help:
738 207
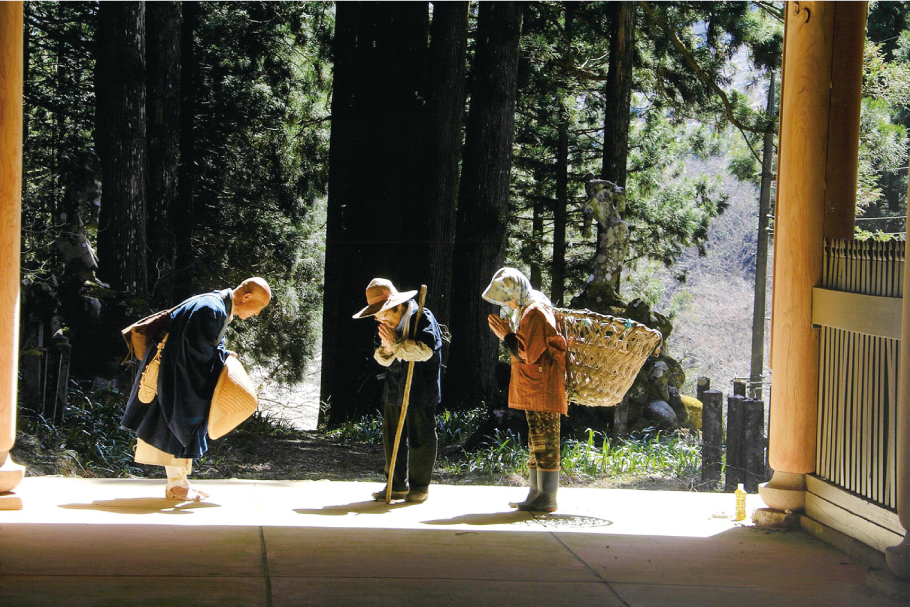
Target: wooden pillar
10 224
843 119
898 557
821 72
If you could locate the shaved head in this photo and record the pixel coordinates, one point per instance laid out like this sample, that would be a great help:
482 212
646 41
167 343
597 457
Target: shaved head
251 296
258 287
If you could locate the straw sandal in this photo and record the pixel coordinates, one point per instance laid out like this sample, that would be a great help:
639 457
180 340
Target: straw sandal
185 494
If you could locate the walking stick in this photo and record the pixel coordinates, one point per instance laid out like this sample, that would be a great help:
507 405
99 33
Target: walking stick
405 399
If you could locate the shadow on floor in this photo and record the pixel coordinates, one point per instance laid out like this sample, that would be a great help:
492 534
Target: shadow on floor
516 517
366 507
142 505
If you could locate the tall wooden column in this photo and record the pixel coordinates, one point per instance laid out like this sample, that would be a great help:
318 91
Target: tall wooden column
816 187
898 557
10 224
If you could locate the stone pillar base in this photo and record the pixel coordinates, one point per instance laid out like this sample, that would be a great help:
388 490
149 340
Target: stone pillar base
11 473
785 492
10 501
898 558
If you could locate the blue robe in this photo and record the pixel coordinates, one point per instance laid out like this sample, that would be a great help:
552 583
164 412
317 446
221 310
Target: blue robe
176 421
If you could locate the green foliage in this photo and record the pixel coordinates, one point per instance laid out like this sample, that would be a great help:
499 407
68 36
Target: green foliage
675 115
90 430
653 454
452 427
682 301
367 429
674 455
92 442
503 453
261 168
266 423
644 283
677 216
58 115
257 167
884 121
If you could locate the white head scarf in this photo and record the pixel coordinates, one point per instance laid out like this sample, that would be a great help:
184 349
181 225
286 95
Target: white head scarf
509 284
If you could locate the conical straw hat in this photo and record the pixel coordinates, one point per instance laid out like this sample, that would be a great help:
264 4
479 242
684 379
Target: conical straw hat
233 401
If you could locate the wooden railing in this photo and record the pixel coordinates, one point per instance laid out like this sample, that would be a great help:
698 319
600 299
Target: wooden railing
858 307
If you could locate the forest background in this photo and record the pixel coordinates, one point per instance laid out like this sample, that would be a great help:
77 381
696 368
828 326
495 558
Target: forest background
173 148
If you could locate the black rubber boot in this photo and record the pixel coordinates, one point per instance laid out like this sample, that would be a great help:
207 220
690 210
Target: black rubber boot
547 484
532 483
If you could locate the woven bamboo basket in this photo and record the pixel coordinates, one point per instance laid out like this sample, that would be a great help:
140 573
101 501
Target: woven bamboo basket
605 354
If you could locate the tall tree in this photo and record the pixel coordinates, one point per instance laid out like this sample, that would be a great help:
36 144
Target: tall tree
442 145
480 244
183 211
120 135
164 22
374 188
561 201
617 120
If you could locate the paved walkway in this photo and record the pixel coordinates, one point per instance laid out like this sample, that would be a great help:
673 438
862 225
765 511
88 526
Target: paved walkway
272 543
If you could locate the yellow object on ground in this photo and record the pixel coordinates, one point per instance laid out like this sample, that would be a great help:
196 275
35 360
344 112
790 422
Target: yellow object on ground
693 408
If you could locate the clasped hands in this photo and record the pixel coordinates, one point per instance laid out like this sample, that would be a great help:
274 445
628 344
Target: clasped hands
499 326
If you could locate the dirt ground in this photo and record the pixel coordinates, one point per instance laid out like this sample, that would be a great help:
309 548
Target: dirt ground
300 452
313 456
306 455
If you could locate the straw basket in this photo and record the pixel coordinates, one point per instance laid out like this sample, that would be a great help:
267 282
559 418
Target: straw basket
233 401
605 355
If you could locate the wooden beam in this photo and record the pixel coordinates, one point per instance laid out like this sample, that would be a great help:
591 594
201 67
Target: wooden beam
852 515
866 314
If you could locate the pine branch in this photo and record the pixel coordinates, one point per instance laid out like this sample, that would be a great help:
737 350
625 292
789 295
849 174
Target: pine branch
690 60
772 10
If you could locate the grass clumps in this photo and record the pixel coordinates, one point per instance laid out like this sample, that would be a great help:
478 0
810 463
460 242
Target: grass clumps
503 457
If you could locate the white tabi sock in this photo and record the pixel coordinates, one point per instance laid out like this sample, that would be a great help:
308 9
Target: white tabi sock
176 476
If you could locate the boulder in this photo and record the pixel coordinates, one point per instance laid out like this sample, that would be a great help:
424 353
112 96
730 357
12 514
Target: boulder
676 403
659 414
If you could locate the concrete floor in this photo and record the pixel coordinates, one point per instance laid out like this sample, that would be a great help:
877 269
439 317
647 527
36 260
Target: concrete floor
118 542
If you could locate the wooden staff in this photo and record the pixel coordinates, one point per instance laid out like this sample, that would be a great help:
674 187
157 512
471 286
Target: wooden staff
407 397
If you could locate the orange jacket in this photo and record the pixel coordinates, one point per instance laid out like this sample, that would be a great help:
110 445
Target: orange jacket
538 380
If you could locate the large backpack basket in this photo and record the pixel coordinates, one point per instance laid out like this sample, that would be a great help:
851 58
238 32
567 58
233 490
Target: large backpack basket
605 354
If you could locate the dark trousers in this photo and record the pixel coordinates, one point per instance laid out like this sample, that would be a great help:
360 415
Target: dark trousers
417 449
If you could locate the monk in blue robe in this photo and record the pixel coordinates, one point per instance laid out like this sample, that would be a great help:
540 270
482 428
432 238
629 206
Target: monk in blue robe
172 429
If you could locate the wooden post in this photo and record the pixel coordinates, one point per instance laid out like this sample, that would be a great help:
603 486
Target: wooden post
753 443
812 62
59 375
757 364
898 557
739 387
10 225
712 434
736 438
702 386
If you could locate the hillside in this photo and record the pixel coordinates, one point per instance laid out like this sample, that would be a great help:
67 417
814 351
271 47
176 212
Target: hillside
712 309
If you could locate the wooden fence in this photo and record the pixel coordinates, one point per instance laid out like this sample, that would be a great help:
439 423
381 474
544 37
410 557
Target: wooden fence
857 307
